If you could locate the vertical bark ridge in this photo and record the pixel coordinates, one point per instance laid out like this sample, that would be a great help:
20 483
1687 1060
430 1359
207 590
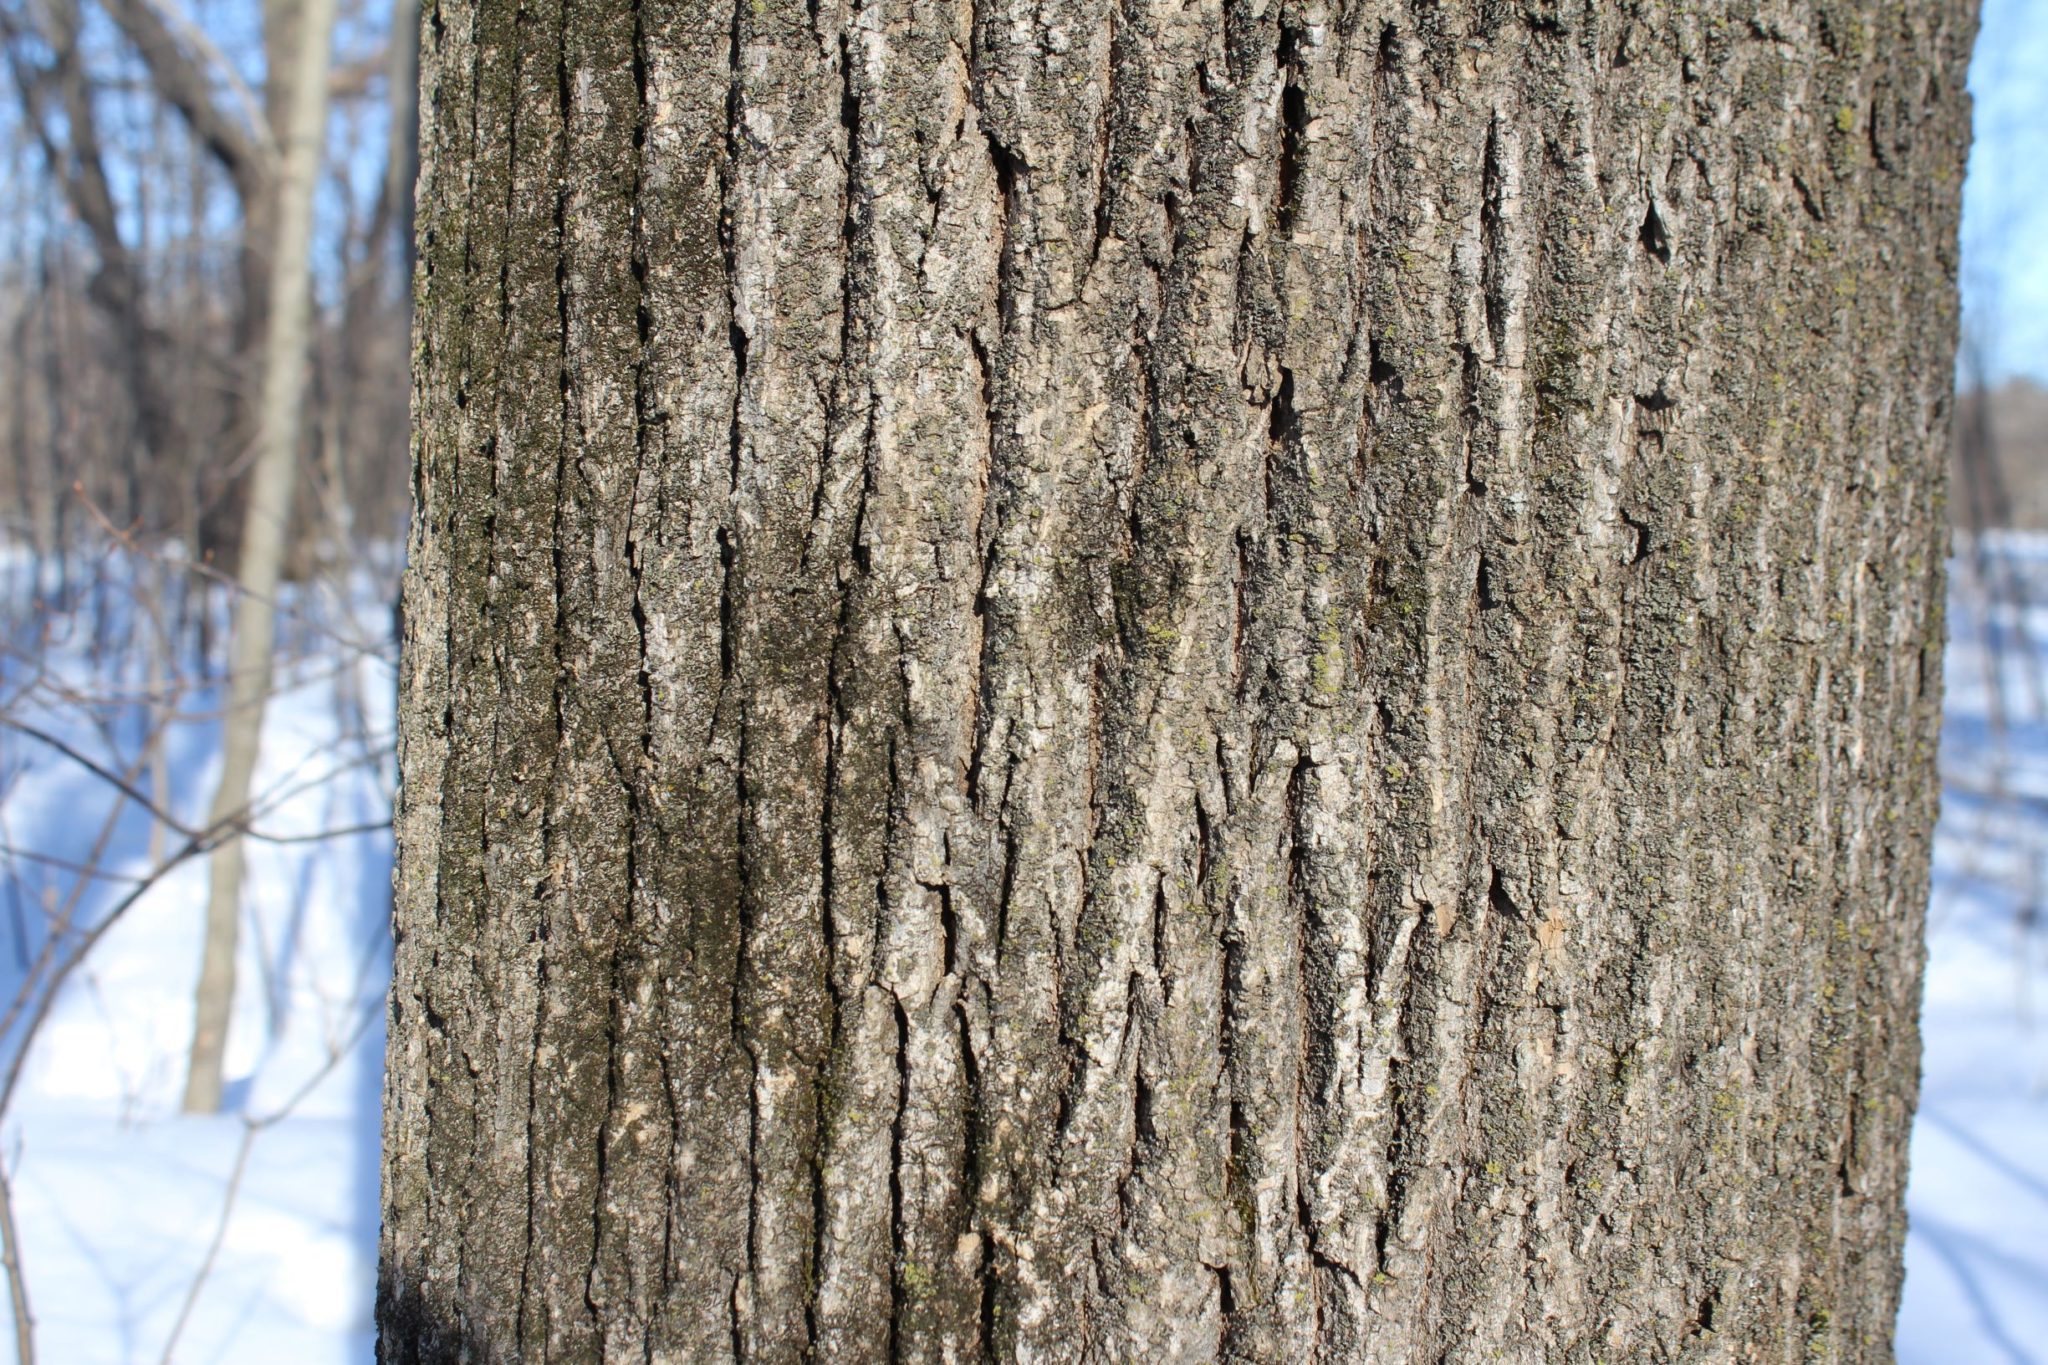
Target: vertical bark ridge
1098 681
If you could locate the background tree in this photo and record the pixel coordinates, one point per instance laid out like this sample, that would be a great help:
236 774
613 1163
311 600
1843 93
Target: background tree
260 567
140 299
1120 682
179 404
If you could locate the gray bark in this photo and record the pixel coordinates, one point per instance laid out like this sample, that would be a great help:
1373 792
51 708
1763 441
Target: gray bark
1137 682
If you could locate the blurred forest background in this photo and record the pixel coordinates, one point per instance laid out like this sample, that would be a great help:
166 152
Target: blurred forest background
205 266
137 217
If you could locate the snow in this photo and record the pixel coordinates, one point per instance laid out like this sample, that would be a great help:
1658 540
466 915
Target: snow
1977 1248
120 1199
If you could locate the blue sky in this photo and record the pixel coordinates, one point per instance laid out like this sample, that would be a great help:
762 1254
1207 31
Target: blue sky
2005 198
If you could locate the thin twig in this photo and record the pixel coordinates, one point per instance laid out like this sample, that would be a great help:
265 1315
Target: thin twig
17 1283
202 842
90 873
321 835
250 1128
192 848
220 1233
232 825
232 584
104 774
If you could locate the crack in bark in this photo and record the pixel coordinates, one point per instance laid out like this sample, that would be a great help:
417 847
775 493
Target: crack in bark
898 1290
1294 122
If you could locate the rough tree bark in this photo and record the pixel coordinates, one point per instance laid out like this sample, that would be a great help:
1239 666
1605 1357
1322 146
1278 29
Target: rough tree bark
1137 682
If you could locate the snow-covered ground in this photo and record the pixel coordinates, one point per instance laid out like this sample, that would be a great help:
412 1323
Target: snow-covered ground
252 1236
1977 1250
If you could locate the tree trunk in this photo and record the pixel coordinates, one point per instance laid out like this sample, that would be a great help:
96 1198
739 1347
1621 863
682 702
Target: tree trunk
117 286
394 211
263 543
1146 682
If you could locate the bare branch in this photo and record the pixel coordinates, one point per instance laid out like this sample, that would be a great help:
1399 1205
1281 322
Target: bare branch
220 1232
17 1283
186 78
229 825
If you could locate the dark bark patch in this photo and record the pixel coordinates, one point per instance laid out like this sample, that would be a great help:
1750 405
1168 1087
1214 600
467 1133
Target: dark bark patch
1655 239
